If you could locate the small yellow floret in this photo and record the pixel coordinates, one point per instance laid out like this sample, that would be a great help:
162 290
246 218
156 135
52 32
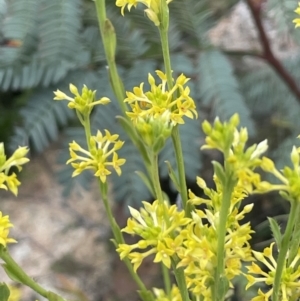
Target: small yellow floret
4 230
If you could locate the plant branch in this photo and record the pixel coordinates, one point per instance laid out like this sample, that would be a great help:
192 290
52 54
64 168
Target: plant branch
268 55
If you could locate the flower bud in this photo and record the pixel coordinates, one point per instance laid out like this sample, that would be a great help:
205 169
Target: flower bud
267 164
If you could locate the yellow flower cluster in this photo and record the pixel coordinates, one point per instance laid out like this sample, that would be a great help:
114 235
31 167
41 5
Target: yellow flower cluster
289 177
242 161
4 230
153 10
160 294
10 181
166 232
100 158
82 103
297 20
200 237
159 226
289 285
159 100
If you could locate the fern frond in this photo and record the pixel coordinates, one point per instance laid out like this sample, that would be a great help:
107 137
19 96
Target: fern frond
48 33
191 17
219 89
41 117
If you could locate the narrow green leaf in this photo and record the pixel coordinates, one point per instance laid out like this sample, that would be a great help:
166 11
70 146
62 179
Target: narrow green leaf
127 126
4 292
10 273
275 230
173 176
219 171
146 181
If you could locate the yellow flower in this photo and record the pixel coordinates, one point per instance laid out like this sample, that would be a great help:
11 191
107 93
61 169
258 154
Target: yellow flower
17 159
15 293
153 10
159 100
100 158
290 275
158 225
163 254
4 230
297 20
160 294
84 102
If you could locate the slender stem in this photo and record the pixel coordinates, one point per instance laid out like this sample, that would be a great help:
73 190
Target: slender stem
221 232
181 170
155 179
17 271
294 244
284 247
167 281
120 239
180 279
109 42
87 130
166 55
175 133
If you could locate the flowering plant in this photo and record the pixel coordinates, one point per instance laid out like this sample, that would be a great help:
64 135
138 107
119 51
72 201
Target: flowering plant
204 242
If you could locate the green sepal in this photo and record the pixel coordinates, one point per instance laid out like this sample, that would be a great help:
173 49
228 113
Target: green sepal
286 196
114 242
146 181
173 176
54 297
145 295
219 171
4 292
275 228
11 274
158 144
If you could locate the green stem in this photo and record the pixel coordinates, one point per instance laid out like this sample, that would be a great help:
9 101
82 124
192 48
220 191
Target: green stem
294 244
108 38
175 133
180 279
166 55
221 232
167 281
283 249
109 43
119 239
19 274
87 130
155 179
181 170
